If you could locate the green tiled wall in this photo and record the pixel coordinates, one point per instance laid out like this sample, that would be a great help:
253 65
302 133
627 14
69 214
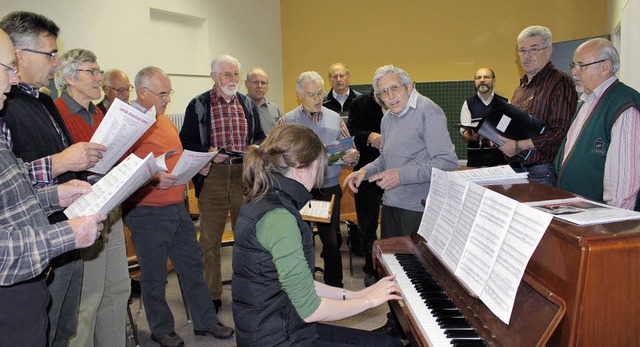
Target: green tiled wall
449 95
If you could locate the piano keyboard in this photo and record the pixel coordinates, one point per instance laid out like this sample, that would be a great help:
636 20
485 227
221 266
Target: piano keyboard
440 321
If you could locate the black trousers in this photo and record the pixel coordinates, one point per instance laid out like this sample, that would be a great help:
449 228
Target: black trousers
23 313
368 200
330 236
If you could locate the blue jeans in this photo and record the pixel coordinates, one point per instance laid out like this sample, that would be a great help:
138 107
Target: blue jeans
65 289
541 173
167 232
336 336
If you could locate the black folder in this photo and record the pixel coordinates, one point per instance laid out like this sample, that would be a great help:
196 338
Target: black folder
511 122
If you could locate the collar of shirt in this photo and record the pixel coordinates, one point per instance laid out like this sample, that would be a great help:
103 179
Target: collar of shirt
106 103
218 97
599 90
75 107
264 102
488 101
316 117
545 69
29 89
341 98
413 100
138 107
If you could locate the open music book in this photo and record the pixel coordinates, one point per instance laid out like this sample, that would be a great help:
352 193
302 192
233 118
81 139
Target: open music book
484 238
493 175
317 210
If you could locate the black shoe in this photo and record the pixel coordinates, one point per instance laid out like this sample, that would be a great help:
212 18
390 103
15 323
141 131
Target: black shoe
219 331
169 340
391 330
370 280
217 303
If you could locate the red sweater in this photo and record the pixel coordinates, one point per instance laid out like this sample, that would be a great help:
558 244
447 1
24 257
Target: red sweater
78 128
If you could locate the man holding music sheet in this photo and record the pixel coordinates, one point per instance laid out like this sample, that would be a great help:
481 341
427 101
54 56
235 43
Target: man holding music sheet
547 94
105 283
161 227
480 152
599 157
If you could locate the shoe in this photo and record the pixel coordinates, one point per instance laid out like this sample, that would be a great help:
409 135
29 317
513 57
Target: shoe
169 340
391 330
219 331
217 303
370 280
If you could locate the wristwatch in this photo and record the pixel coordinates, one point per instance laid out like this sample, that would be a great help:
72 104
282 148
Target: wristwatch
518 149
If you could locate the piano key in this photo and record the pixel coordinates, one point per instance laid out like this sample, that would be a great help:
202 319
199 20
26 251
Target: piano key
468 343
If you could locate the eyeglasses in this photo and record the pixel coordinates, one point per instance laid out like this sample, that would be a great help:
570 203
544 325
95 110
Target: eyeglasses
317 94
51 55
259 83
123 90
163 95
532 51
12 69
394 89
579 66
228 74
93 72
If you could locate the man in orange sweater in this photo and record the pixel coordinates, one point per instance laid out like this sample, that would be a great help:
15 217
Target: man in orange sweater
161 226
105 284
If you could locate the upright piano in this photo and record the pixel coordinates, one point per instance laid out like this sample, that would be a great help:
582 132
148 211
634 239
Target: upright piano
581 286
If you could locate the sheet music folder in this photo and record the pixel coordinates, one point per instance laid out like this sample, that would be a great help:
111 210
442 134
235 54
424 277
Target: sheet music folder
509 121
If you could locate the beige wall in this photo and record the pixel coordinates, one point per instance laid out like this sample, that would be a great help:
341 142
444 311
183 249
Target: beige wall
181 37
432 40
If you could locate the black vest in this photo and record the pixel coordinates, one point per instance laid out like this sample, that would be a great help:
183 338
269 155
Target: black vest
33 134
262 311
481 154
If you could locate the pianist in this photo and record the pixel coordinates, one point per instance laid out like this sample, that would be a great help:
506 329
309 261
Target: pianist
275 298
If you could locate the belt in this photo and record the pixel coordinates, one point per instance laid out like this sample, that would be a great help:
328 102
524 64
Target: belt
233 160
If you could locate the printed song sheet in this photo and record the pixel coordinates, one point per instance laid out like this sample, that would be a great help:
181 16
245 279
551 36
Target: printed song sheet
190 163
116 186
435 201
121 127
445 226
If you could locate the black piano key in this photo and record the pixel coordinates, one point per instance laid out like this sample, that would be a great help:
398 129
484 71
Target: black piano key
447 313
461 333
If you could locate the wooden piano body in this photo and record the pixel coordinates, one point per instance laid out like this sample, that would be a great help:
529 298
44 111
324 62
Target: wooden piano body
593 270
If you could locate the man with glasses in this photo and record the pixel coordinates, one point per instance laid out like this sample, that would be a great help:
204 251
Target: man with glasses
415 140
105 284
599 157
27 240
220 118
329 127
481 152
257 84
114 85
37 134
339 98
161 227
547 94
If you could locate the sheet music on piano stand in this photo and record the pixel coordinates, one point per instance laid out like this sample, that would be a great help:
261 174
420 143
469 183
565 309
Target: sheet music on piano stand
486 239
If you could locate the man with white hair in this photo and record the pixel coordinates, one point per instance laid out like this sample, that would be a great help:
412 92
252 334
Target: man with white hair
545 93
415 140
257 84
220 119
329 127
105 284
115 85
599 157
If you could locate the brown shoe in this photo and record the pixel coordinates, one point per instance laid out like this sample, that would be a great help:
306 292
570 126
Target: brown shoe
219 331
171 339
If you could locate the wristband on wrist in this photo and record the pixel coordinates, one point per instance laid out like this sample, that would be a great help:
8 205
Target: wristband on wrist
518 149
344 294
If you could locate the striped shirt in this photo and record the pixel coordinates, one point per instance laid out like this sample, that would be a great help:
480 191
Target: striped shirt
551 97
229 129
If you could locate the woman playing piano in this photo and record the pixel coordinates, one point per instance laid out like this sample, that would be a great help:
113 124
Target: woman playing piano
275 298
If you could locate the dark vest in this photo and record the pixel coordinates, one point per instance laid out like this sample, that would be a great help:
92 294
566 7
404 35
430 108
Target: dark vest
478 153
583 171
32 132
262 311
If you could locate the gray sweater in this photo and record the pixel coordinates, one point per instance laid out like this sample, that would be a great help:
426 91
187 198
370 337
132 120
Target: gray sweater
414 143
